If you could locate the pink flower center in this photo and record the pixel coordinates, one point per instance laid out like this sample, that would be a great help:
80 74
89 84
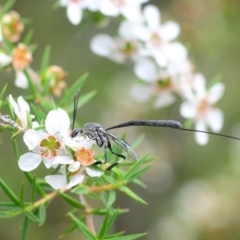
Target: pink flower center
85 156
203 108
164 85
21 57
156 40
128 48
118 3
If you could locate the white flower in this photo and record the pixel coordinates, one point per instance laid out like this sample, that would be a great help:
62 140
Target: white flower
158 81
20 59
131 9
84 159
58 123
58 181
157 37
200 107
118 49
21 109
48 146
74 9
44 147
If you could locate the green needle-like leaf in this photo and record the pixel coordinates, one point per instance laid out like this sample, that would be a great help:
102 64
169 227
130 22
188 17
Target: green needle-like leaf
104 227
84 229
67 231
129 237
45 59
28 37
73 90
131 194
9 193
2 94
21 197
15 147
82 100
25 228
9 214
138 174
8 205
74 202
111 198
33 192
31 179
138 141
32 217
42 214
6 7
31 84
135 167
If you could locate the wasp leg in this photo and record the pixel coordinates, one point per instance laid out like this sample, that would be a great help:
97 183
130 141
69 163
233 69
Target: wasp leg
98 162
117 154
111 166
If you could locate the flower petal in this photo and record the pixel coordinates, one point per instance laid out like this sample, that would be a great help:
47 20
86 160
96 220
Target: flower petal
188 110
126 30
163 100
216 92
102 44
108 8
14 105
74 13
48 162
76 179
57 121
63 159
31 139
141 93
56 181
170 30
201 138
29 161
152 15
199 85
215 119
23 105
93 172
132 12
146 70
4 58
74 166
21 80
175 51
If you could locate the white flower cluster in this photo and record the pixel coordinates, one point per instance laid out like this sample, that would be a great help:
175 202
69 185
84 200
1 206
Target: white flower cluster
52 144
130 9
160 61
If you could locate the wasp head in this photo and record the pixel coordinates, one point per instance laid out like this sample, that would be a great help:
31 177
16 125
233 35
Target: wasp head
76 132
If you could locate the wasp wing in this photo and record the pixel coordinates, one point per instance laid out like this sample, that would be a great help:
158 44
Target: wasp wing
123 145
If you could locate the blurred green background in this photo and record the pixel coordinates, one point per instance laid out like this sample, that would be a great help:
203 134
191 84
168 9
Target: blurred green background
193 191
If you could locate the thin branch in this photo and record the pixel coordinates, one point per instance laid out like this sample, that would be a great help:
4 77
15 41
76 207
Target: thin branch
89 217
44 199
106 187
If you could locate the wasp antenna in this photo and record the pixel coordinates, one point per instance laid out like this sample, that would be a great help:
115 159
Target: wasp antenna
75 107
212 133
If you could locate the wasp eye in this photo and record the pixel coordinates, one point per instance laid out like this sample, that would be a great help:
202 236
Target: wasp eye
76 132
